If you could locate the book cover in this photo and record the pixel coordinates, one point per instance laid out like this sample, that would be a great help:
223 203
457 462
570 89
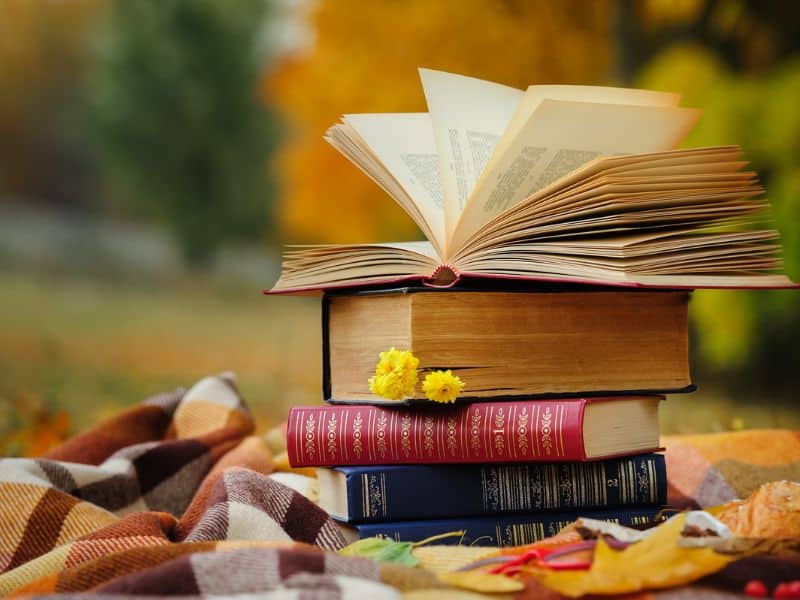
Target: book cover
573 429
638 340
397 493
503 531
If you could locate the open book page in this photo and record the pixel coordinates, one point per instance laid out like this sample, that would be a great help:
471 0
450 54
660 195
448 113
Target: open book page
469 116
336 265
717 160
560 137
654 258
536 94
404 145
349 142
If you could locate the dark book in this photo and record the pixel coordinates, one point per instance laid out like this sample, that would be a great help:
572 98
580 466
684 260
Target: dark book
513 342
392 493
503 530
519 431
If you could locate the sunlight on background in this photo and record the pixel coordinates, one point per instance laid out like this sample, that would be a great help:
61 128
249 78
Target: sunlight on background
155 155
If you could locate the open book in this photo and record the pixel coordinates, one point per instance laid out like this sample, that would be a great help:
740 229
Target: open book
556 183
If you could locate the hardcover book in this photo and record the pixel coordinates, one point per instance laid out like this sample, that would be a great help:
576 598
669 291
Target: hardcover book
392 493
557 183
507 344
576 429
503 531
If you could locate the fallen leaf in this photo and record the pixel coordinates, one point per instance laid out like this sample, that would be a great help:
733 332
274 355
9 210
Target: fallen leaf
772 511
383 550
655 562
477 581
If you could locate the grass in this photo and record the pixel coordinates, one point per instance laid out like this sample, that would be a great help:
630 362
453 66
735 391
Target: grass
88 348
73 350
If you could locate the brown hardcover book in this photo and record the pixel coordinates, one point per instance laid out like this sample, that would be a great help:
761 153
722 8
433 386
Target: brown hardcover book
512 343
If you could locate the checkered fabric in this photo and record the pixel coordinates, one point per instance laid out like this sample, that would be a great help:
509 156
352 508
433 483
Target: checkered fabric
178 474
711 469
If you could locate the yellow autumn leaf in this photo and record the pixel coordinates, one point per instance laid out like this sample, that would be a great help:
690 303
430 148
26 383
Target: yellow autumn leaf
478 581
654 563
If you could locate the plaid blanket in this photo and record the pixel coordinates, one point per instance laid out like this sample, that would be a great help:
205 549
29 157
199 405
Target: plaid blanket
176 496
711 469
174 478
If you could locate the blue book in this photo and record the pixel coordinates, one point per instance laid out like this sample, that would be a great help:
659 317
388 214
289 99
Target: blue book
503 530
406 492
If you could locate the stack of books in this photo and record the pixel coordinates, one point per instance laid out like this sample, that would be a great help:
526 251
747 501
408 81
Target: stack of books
564 235
509 463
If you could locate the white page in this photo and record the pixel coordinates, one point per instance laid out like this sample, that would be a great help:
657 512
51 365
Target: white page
404 144
469 116
559 138
535 94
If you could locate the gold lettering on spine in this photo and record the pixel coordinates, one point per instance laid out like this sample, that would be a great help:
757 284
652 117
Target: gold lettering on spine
561 430
499 432
522 431
358 448
475 433
535 430
547 431
309 437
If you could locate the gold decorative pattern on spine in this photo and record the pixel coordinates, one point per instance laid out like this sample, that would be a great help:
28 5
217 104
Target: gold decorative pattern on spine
380 435
358 448
309 445
547 431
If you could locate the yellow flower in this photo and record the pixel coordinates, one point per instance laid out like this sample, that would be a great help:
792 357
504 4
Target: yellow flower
395 375
442 386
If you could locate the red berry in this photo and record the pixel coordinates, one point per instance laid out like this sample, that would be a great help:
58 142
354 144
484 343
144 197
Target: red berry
788 589
756 589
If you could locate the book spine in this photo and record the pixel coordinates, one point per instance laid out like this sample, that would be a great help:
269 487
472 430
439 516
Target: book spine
393 493
483 432
502 531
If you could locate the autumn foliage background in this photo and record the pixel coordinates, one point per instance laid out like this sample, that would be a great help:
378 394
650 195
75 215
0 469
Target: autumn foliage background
154 156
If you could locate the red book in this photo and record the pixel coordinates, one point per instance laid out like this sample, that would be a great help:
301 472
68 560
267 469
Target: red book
576 429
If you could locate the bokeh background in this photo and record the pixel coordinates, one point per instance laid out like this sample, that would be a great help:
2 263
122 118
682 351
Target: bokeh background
156 154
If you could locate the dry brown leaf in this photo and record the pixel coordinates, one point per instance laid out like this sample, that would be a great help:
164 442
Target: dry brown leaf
772 511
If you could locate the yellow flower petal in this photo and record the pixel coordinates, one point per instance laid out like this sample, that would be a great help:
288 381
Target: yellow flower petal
395 375
442 386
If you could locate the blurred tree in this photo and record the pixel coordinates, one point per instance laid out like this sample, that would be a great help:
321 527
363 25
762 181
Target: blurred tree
740 61
177 119
364 59
44 56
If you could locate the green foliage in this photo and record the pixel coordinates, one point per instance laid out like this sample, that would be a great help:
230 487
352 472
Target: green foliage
749 338
383 550
177 120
